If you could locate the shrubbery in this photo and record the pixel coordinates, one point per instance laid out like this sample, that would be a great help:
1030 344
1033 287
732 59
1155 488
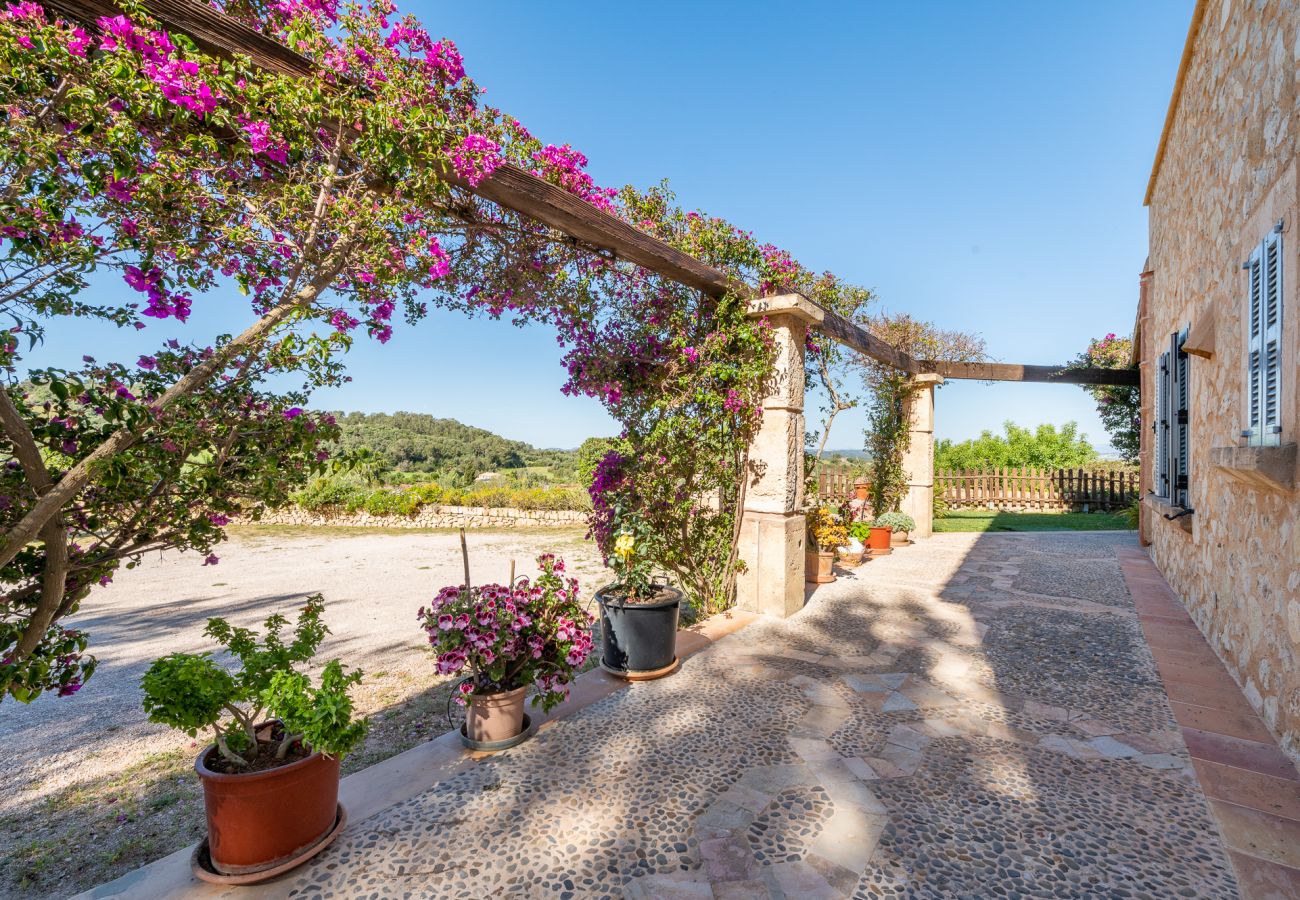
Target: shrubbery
349 494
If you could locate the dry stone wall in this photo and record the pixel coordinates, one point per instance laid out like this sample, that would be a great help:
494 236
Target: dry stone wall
425 517
1229 174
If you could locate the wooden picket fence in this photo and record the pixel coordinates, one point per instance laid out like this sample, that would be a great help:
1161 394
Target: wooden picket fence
1003 488
835 481
1030 488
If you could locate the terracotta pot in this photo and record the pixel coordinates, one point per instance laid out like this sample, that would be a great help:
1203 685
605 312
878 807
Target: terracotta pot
261 820
851 560
899 539
861 490
819 566
495 717
878 540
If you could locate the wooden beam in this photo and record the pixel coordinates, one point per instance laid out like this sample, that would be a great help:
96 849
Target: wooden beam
855 337
1012 372
508 186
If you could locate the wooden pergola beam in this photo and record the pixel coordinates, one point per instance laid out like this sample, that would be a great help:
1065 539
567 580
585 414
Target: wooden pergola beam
980 371
508 186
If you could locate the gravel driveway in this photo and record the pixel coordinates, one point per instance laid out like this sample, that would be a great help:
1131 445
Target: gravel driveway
373 582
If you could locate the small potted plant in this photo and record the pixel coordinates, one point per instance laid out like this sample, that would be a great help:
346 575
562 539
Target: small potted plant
825 533
508 638
861 488
859 532
271 777
899 524
639 613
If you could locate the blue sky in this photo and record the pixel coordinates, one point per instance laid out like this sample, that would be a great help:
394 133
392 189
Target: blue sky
980 165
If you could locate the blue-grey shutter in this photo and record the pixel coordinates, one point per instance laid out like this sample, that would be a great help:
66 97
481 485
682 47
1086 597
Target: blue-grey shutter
1162 427
1255 345
1181 421
1271 341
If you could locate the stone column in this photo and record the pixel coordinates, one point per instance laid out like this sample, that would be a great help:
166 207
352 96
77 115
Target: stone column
918 462
772 521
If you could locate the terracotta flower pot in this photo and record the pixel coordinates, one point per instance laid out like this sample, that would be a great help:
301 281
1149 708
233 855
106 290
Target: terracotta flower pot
878 540
495 717
899 539
263 820
851 560
861 489
819 566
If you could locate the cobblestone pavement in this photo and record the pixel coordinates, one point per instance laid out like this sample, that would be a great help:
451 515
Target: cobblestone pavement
975 716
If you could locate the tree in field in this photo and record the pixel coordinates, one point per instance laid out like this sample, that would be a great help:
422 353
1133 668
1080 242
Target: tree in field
887 434
1044 447
1118 406
324 200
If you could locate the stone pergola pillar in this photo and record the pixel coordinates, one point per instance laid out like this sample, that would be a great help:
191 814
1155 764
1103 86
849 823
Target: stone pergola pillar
772 521
918 462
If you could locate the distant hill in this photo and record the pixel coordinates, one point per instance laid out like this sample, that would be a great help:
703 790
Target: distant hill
419 442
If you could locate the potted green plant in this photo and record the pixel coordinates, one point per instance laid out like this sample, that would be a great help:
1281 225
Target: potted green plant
825 533
859 532
899 524
271 776
639 613
506 639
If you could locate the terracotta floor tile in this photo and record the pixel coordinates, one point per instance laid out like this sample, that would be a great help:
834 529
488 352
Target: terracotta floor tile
1266 793
1203 657
1234 723
1214 696
1170 623
1229 751
1180 640
1259 834
1260 879
1215 677
689 642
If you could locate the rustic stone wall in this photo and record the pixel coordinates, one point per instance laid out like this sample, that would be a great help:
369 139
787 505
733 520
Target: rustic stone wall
426 517
1228 175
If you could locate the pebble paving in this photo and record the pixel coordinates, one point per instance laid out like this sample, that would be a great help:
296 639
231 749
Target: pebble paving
973 716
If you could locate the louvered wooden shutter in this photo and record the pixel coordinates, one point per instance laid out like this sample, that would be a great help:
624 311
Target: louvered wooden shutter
1271 341
1180 420
1162 427
1264 342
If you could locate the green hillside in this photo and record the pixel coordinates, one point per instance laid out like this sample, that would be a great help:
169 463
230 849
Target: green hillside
419 442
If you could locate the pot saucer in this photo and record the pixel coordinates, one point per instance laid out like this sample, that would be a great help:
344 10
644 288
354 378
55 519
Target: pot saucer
637 675
201 861
495 746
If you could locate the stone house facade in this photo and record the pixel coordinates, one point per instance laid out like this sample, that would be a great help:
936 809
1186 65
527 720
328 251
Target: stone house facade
1218 342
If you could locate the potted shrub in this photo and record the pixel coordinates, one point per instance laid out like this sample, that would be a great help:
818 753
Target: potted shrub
878 540
509 638
271 777
639 613
899 524
825 533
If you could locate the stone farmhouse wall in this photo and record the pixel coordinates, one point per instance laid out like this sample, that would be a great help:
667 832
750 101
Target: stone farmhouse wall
425 517
1228 175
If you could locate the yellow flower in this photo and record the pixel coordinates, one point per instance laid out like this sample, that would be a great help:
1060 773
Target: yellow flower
624 545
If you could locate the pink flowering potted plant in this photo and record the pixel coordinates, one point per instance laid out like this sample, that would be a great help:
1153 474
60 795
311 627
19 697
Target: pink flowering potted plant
507 639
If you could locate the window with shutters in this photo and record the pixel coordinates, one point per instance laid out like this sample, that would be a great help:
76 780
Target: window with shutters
1172 423
1264 342
1179 421
1161 427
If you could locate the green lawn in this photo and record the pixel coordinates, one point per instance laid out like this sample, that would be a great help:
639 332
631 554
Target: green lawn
998 520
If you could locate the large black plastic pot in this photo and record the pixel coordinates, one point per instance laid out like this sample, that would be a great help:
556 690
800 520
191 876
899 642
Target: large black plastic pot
639 640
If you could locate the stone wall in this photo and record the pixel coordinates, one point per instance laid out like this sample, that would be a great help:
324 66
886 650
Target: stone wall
426 517
1228 175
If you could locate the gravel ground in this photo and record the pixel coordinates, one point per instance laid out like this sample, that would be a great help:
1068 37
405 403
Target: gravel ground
90 789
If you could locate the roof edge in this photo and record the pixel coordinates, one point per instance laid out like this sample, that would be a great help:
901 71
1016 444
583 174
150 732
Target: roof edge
1198 15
